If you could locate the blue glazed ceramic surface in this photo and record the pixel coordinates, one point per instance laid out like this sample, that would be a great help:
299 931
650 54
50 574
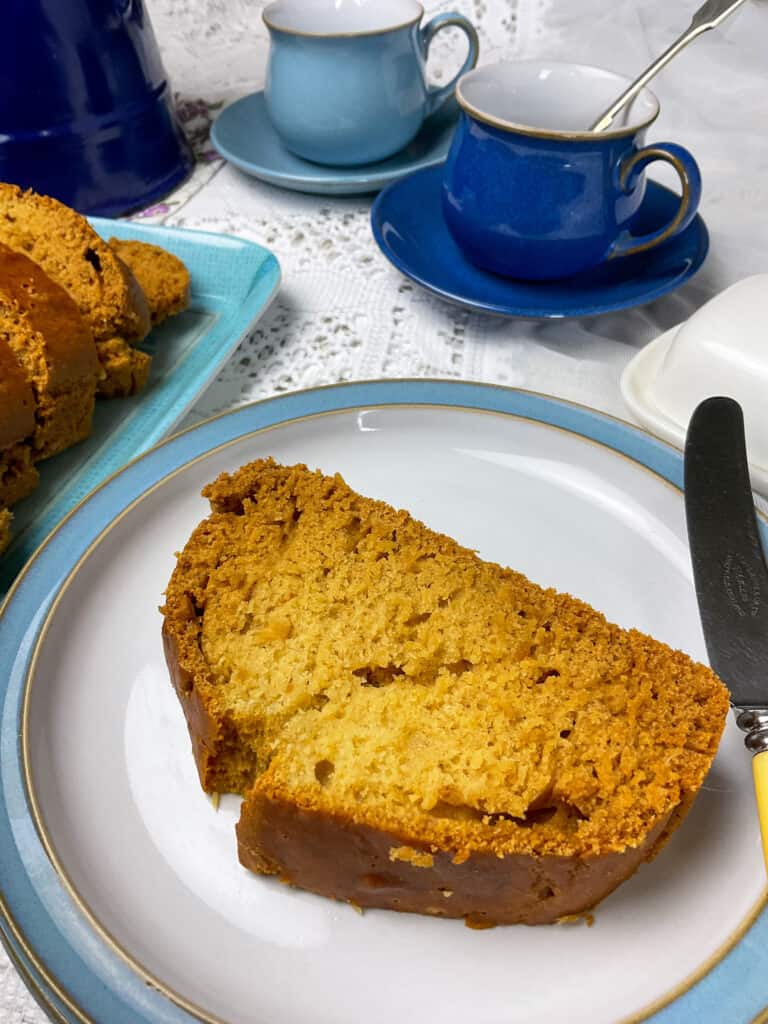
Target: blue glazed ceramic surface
78 976
345 100
408 224
244 135
543 208
531 193
355 113
89 119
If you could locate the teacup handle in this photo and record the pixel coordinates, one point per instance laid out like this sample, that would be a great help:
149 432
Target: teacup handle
437 96
690 178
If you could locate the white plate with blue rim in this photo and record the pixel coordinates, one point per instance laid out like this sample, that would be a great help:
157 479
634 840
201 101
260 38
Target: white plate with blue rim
123 900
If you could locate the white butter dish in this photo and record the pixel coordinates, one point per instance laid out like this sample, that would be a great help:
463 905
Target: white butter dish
722 349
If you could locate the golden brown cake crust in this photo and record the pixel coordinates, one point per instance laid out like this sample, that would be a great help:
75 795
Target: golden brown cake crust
18 475
26 288
72 254
55 348
368 867
5 529
126 368
206 731
391 706
17 403
162 276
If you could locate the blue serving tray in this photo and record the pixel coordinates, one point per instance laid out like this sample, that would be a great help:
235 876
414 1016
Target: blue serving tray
233 283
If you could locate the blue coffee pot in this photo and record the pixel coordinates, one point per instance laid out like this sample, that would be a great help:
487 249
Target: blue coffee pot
86 112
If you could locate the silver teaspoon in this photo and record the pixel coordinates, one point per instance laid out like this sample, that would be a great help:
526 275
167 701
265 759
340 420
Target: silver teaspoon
708 16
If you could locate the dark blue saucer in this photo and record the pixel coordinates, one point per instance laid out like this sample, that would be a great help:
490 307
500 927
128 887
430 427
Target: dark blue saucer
408 226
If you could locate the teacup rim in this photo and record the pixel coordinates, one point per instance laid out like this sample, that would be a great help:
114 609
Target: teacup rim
339 35
548 133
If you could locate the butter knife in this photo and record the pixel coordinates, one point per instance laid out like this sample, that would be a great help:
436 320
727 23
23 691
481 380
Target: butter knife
730 573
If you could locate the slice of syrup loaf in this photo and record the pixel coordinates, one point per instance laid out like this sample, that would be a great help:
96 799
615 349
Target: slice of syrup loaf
54 346
416 729
162 276
105 291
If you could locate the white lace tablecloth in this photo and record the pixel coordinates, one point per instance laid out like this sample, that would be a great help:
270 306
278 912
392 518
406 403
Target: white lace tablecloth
344 313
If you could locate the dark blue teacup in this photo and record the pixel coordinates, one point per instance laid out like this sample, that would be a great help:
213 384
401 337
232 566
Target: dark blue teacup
529 192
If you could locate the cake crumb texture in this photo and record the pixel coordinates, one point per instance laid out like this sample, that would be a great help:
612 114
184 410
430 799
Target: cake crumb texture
18 473
126 368
70 252
54 348
162 276
5 529
418 858
17 402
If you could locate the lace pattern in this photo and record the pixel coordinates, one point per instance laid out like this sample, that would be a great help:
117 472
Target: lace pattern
343 312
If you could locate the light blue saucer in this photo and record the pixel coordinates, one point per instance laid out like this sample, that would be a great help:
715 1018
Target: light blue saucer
244 135
408 224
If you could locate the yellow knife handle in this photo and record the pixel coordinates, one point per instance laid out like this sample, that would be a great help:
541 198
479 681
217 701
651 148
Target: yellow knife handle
754 722
760 771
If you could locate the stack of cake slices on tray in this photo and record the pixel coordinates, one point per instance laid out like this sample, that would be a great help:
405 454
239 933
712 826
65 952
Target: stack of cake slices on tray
73 309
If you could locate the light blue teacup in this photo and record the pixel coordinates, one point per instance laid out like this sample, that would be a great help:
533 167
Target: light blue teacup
346 78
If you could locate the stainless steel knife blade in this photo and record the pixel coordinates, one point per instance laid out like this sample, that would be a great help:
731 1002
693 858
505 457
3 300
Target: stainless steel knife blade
729 565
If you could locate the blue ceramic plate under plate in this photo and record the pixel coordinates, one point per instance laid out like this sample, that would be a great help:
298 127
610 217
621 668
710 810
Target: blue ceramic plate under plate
122 898
408 225
244 135
232 283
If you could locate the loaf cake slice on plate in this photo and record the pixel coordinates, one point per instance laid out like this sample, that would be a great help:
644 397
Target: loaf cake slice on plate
414 728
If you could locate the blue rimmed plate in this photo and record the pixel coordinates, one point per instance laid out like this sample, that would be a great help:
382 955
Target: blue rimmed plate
233 282
123 899
408 225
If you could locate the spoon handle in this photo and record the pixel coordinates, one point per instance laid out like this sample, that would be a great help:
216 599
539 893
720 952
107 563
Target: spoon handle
708 16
